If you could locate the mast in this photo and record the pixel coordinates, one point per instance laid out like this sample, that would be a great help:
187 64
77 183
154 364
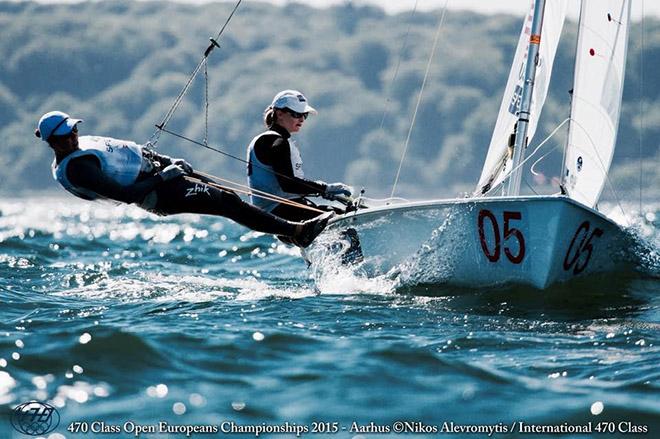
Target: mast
513 187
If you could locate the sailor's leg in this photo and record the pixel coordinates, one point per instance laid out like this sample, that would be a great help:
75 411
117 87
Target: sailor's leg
183 195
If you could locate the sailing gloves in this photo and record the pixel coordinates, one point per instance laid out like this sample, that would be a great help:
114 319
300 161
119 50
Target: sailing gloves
184 165
333 190
171 172
178 168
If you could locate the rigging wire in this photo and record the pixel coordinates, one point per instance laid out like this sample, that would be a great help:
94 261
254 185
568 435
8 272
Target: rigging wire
577 124
563 175
419 96
404 45
202 144
226 154
603 168
162 126
153 140
529 156
168 116
641 111
206 103
529 186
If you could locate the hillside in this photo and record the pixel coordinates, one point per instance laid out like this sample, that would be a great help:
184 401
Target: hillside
119 65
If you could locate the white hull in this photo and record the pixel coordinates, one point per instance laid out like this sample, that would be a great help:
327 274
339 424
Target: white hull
533 241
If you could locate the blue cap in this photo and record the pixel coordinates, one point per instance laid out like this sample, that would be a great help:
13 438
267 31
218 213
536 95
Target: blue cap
55 123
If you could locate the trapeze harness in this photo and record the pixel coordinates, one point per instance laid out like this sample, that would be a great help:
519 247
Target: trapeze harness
121 161
264 178
131 167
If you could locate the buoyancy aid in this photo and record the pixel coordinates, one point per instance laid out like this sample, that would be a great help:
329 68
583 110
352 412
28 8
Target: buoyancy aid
263 177
120 160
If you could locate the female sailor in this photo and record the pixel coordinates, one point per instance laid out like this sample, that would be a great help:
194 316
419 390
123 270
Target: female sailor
275 164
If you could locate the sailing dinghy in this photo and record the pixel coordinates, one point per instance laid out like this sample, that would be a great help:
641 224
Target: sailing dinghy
498 236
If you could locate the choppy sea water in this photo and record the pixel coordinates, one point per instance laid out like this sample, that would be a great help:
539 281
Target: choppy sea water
122 320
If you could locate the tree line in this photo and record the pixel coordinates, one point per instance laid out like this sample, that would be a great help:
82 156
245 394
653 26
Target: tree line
120 65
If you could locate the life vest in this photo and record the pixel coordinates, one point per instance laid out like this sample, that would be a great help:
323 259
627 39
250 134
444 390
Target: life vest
121 161
263 178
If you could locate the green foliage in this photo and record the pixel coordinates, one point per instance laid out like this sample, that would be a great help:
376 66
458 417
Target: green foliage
120 65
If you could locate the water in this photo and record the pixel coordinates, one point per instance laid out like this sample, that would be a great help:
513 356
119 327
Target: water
116 316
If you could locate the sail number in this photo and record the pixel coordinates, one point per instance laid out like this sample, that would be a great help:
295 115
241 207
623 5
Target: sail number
493 252
572 258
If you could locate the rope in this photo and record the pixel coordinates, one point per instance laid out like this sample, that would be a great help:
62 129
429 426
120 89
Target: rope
241 188
532 170
195 142
419 96
247 191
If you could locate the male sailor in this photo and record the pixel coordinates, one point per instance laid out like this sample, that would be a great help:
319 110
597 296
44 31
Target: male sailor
92 168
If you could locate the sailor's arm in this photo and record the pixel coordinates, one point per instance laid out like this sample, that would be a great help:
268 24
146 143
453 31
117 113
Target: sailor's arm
153 156
281 162
85 172
164 161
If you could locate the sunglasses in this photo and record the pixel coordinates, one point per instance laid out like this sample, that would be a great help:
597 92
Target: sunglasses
295 114
73 131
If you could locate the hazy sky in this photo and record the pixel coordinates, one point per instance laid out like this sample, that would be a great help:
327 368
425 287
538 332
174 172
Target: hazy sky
517 7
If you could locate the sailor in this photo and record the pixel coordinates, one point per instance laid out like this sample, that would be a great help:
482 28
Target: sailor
275 164
92 168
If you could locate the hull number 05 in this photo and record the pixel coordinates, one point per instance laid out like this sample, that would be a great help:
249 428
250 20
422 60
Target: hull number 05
581 246
511 239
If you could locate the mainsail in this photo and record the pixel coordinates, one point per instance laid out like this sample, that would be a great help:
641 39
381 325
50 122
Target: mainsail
498 161
597 88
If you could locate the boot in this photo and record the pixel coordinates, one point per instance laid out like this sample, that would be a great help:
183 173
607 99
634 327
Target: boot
308 230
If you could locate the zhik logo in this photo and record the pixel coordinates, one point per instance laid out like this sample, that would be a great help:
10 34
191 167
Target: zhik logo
198 189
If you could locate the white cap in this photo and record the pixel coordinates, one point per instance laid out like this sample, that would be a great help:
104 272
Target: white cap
55 123
293 100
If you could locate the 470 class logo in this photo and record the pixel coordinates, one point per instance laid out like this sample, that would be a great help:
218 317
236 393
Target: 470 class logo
35 418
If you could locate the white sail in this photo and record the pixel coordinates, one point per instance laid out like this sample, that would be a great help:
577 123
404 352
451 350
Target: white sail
498 163
597 88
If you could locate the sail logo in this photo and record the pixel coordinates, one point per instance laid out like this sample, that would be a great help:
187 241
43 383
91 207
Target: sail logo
35 418
516 100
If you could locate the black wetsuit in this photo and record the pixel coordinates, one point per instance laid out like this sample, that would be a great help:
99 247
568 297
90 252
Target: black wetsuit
185 194
275 151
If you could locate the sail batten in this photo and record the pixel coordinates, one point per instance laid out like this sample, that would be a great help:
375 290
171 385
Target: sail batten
597 91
